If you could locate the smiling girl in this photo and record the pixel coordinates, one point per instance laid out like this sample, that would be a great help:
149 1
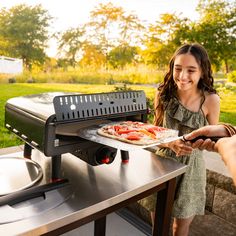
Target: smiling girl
185 101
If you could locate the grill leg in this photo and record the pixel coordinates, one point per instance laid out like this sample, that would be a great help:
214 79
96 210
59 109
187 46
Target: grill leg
100 227
124 156
56 168
27 151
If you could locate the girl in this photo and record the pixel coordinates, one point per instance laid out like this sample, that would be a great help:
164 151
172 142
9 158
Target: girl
185 101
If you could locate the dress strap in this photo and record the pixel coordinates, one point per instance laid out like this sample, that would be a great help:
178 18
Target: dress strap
202 101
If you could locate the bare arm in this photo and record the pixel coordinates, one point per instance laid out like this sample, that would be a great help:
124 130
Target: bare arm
156 99
212 108
227 149
225 146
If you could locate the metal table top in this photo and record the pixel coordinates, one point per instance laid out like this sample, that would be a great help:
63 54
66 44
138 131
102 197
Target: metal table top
94 188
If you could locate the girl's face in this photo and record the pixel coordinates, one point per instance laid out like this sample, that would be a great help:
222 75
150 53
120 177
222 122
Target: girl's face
186 72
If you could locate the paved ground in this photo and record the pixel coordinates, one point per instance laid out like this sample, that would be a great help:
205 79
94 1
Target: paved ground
211 225
115 226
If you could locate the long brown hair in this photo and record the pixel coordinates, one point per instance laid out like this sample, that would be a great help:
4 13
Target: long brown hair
168 88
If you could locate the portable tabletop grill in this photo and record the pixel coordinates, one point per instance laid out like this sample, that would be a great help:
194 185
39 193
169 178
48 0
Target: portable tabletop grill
50 122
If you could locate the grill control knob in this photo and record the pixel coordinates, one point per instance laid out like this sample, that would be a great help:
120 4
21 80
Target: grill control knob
105 155
105 160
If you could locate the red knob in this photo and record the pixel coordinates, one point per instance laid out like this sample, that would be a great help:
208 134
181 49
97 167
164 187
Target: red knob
125 161
105 160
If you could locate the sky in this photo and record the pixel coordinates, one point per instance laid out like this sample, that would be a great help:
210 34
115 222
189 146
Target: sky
71 13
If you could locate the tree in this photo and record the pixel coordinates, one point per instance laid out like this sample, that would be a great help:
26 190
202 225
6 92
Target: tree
92 56
104 24
24 30
71 44
120 56
163 37
131 29
111 27
216 30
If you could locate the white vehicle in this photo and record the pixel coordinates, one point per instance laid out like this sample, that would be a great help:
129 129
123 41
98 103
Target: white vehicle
10 65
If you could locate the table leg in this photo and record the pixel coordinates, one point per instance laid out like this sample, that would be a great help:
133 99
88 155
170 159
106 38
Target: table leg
100 227
165 200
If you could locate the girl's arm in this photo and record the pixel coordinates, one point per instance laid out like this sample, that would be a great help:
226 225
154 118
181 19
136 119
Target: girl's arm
211 108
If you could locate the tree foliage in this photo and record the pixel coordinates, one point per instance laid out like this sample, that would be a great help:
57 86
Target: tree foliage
163 37
111 26
216 30
104 23
93 56
113 37
24 33
105 38
71 43
120 56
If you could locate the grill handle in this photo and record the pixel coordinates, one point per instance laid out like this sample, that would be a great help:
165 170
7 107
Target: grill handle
33 192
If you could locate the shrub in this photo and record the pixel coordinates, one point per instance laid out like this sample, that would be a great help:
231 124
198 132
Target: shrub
12 80
232 76
128 75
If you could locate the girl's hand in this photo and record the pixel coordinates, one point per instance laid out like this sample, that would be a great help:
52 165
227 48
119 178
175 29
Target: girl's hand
180 147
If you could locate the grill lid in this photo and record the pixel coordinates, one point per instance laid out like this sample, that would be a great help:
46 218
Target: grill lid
100 105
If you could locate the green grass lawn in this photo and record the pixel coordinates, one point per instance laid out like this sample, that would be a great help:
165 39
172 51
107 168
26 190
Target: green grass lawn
227 104
228 100
7 91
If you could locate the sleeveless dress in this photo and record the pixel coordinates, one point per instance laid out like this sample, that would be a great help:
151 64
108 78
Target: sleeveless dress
190 194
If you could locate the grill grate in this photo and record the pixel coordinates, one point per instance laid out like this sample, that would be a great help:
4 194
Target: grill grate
87 106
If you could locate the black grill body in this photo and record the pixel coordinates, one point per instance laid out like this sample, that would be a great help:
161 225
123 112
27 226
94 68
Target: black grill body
36 118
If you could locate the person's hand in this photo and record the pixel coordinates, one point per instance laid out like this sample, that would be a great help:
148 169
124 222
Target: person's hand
206 144
227 149
224 146
210 130
180 148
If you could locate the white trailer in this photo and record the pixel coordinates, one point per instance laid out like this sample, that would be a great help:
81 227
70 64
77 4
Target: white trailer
10 65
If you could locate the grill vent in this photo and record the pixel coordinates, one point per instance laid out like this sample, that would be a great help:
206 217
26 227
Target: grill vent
88 106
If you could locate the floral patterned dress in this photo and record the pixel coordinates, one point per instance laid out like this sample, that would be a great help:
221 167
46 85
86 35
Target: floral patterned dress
190 191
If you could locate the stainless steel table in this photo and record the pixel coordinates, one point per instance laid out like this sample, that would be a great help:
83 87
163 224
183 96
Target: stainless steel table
98 191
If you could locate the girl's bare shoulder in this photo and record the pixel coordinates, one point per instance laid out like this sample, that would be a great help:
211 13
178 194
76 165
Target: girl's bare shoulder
211 108
211 99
